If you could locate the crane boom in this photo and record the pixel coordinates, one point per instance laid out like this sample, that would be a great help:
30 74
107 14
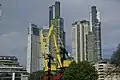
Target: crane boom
58 64
57 50
42 45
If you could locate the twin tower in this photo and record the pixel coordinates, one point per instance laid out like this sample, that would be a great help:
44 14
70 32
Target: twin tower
86 38
34 49
58 22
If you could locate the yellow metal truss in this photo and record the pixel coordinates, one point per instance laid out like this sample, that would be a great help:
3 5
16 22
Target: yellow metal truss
58 64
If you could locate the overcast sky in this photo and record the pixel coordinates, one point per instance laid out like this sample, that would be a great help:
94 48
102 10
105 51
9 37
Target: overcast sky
17 13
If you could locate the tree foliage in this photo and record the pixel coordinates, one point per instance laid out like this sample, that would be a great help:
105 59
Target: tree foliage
36 75
115 58
80 71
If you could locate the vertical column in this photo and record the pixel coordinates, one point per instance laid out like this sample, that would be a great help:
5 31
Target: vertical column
57 9
21 76
50 14
94 14
13 76
0 11
29 49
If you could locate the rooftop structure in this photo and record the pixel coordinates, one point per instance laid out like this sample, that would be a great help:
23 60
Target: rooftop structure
106 71
82 41
9 66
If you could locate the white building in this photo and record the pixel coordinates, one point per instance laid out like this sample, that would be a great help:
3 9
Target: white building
106 71
10 69
33 50
80 29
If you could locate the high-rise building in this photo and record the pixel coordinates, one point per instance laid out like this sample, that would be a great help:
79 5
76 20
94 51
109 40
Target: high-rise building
60 34
51 13
96 28
33 50
80 30
58 22
57 9
90 45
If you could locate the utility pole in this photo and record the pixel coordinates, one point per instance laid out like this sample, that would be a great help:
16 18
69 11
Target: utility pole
49 66
13 76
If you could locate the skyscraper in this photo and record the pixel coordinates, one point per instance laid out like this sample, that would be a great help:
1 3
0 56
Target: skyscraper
57 9
58 22
80 30
33 49
90 45
51 14
96 27
60 34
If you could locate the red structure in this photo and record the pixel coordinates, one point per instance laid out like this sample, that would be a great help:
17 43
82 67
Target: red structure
56 77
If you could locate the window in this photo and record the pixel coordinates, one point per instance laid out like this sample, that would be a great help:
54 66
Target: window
101 71
101 76
35 31
100 65
100 68
0 57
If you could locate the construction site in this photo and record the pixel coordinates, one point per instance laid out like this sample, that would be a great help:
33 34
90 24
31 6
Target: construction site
62 60
54 58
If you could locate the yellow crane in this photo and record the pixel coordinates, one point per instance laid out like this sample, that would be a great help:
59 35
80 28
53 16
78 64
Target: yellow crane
58 64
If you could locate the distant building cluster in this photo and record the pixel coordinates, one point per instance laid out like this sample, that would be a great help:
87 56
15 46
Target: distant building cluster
86 38
35 48
86 46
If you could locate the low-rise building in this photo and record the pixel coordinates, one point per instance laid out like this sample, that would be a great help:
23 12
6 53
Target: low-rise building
107 71
10 68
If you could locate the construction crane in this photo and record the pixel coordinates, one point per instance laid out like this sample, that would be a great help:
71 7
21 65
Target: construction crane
59 63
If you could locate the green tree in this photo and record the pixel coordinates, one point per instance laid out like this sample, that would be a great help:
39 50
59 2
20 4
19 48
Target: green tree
115 58
115 62
36 75
81 71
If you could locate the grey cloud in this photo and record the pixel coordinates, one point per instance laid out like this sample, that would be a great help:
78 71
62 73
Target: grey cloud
14 24
13 44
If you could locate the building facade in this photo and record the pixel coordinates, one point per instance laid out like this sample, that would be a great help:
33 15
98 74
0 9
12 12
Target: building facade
106 71
80 30
96 28
33 50
10 69
90 45
58 23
